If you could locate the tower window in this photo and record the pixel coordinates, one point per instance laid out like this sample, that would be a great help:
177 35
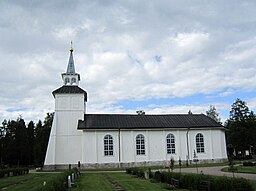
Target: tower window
73 81
67 81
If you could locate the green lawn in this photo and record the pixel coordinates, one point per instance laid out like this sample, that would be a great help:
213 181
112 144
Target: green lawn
254 184
25 182
243 169
99 181
93 181
88 181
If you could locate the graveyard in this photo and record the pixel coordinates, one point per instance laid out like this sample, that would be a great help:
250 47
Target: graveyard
131 179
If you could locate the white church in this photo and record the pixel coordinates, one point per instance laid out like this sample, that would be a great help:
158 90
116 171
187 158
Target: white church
122 140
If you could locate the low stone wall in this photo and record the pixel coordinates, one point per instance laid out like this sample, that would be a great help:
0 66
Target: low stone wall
125 165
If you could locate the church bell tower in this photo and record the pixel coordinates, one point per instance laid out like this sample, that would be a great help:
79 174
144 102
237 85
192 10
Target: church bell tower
64 146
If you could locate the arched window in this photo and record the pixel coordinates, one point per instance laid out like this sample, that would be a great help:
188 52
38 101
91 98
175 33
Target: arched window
73 80
199 143
108 145
140 144
67 81
170 144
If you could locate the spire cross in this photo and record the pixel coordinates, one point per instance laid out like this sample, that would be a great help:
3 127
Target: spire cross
71 47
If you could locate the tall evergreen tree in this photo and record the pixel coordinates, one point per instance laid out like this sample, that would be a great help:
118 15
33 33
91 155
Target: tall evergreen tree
42 133
24 145
15 142
31 142
2 142
239 111
212 113
242 127
37 146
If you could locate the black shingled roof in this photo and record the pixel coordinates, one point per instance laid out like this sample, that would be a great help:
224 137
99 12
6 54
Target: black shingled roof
123 121
70 90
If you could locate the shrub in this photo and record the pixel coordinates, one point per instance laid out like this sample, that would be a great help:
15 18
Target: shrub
166 177
248 163
193 181
140 173
135 171
128 170
56 183
150 173
157 176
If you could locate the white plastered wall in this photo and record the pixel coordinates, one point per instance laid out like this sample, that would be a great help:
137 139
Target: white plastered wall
65 140
155 145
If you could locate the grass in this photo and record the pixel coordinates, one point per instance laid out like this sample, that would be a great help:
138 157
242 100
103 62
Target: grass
253 184
98 181
93 181
25 182
242 169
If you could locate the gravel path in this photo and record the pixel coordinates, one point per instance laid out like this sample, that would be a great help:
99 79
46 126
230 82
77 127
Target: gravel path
216 171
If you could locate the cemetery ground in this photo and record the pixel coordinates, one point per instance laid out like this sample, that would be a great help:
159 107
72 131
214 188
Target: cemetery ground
111 181
97 180
25 182
93 181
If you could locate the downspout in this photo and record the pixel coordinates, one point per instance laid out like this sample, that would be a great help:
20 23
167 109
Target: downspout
119 145
187 147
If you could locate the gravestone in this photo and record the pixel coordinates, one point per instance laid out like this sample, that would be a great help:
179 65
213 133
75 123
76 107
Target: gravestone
69 181
146 174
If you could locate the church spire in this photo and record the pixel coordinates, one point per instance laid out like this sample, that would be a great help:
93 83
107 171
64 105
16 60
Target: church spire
71 77
71 65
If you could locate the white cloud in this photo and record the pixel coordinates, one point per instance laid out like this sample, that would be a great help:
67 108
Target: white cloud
190 42
202 48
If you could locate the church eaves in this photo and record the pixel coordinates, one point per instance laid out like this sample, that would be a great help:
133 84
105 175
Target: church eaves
70 90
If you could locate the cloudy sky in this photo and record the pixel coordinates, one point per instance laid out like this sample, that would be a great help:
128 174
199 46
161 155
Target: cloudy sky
165 56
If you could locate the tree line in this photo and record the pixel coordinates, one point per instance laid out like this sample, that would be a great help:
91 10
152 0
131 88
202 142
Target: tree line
24 145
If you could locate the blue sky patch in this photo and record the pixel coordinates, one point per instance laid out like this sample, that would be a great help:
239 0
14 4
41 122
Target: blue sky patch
158 58
13 109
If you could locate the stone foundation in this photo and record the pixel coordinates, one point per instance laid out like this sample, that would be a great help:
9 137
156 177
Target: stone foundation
126 165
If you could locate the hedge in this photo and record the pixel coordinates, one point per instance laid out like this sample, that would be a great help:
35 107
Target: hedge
193 181
249 163
13 172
